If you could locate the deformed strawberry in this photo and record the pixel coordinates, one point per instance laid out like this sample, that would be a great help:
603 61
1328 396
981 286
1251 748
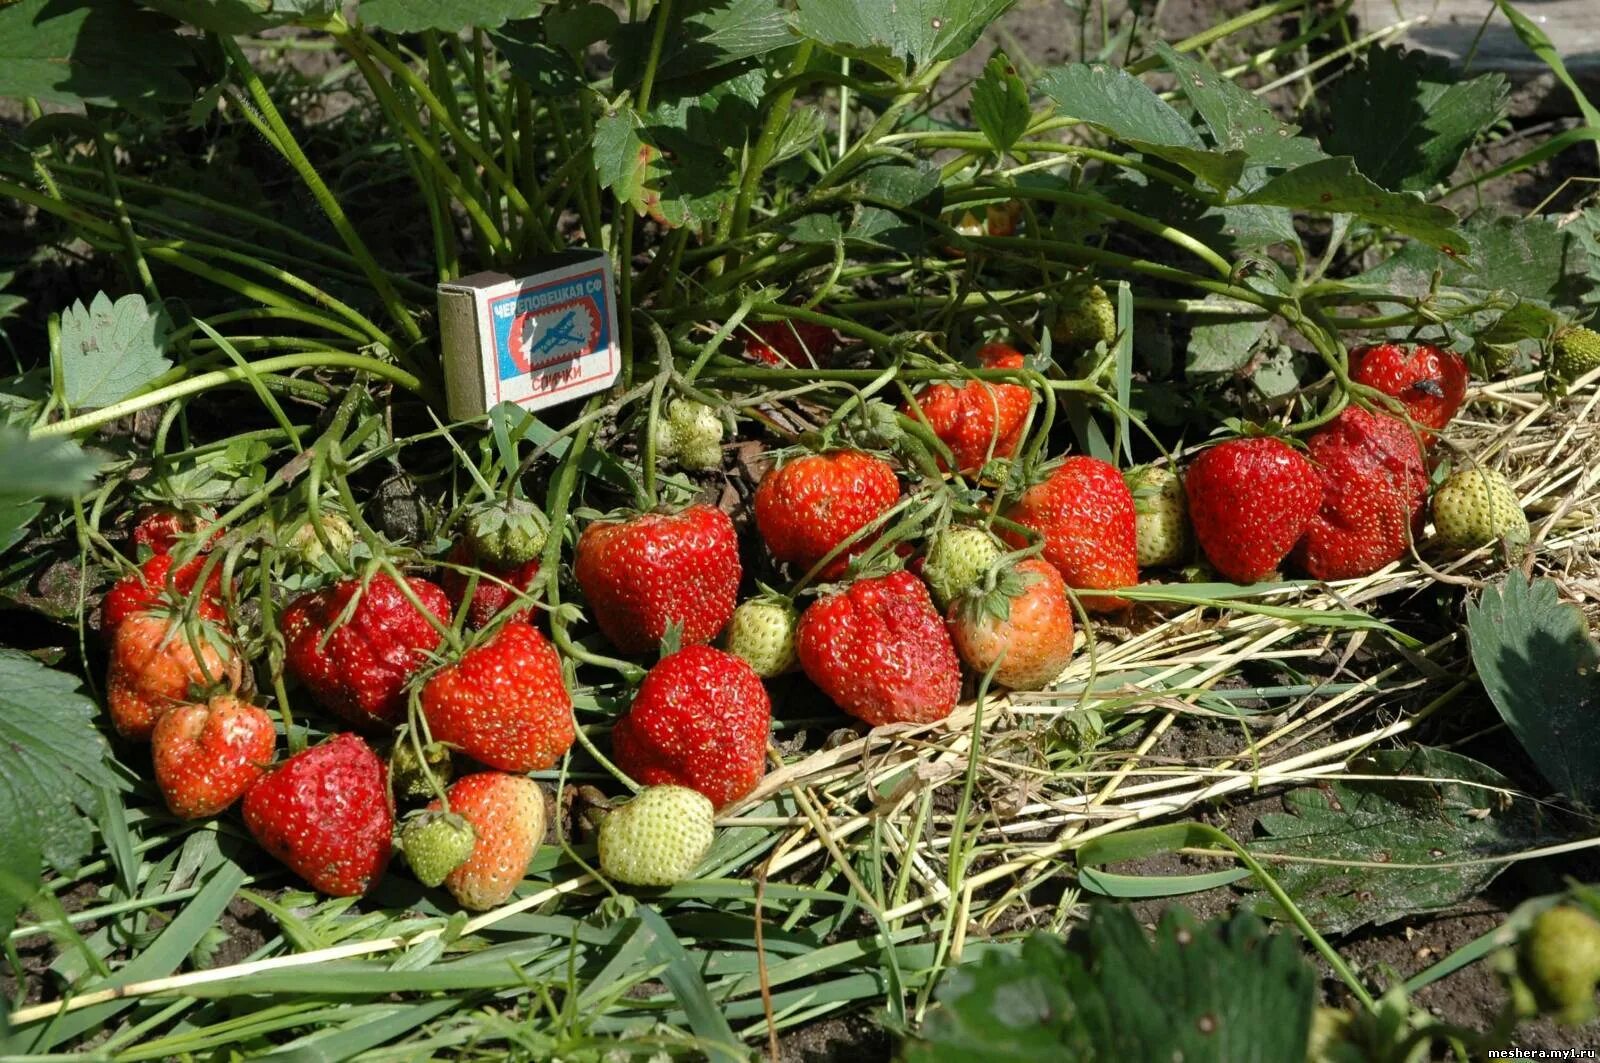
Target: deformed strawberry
646 573
700 719
159 663
356 660
504 703
881 652
207 756
1430 382
976 419
162 581
325 813
1374 485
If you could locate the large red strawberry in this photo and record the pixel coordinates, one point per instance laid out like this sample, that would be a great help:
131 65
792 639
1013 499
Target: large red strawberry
881 652
492 595
206 756
504 703
1374 485
158 663
507 817
700 719
1022 627
646 573
1086 514
161 580
978 420
1431 383
808 506
1250 501
358 667
793 343
325 813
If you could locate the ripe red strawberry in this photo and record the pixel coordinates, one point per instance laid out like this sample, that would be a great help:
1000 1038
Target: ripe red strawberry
158 664
325 813
1024 623
157 582
881 652
158 530
207 756
700 719
491 596
978 420
1250 500
1430 383
1374 486
359 669
643 574
810 505
793 343
1086 514
504 703
507 817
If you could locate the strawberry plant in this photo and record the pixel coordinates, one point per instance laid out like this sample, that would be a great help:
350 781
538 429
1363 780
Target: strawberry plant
1014 455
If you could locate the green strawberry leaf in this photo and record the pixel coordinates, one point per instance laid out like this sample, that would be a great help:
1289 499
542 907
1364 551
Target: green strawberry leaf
53 763
1129 110
1541 669
47 467
1335 186
110 350
1000 104
1406 118
1215 991
1439 812
243 16
898 38
1238 119
92 51
450 16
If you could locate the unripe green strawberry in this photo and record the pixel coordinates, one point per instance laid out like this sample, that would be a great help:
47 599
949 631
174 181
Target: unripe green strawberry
1162 521
1085 318
1476 506
1575 352
1497 357
958 559
762 632
1559 957
658 838
406 775
690 433
506 533
435 844
307 546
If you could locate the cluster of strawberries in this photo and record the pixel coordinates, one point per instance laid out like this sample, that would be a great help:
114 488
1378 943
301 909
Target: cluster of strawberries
886 648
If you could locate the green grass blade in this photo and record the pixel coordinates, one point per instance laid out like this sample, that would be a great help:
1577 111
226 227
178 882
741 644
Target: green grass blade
689 989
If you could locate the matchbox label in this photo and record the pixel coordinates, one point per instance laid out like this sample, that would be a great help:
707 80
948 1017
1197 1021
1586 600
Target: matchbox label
534 340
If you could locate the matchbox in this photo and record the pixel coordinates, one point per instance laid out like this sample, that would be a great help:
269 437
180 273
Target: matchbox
536 340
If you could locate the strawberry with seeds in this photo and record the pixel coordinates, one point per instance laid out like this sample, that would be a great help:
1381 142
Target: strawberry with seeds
1022 627
658 838
976 419
1250 501
649 572
357 661
161 580
808 506
881 652
1086 515
159 663
492 596
701 720
504 703
506 814
1431 383
207 756
325 813
1374 486
790 343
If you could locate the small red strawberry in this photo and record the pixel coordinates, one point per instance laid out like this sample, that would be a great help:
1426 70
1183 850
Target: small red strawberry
1374 487
325 813
881 652
646 573
159 663
1431 383
158 530
159 582
793 343
492 596
978 420
1250 500
504 703
807 507
507 817
700 719
1086 514
1024 623
207 756
358 668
